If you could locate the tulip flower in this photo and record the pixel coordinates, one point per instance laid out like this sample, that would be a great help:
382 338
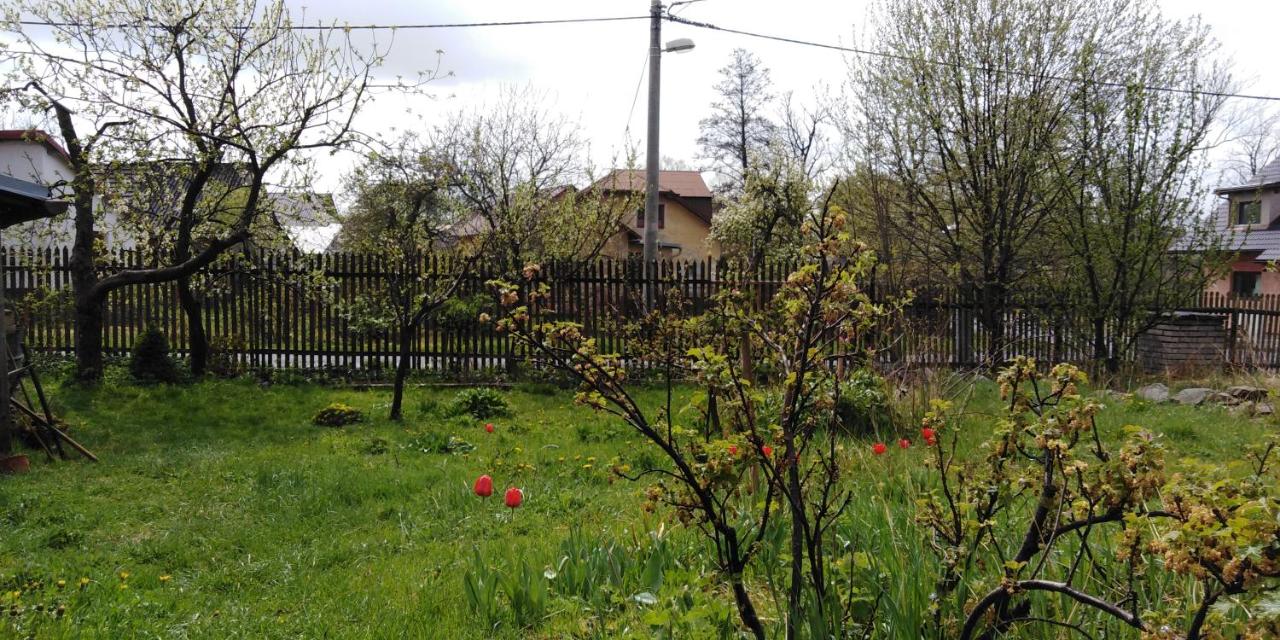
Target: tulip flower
514 497
766 450
930 436
488 427
484 486
879 448
733 449
904 443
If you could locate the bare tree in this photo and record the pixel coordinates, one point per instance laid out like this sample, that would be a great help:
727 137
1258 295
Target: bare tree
1253 142
738 127
514 168
205 85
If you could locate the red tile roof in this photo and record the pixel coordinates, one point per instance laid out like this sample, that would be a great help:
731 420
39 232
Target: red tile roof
37 136
687 184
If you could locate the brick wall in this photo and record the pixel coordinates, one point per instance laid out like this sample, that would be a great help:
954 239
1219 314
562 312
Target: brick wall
1183 342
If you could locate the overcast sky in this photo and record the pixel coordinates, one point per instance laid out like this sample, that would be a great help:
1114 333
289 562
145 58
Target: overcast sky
591 72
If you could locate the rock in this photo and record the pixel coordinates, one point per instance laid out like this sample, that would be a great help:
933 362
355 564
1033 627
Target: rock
1153 393
1263 409
1251 394
1193 396
1222 398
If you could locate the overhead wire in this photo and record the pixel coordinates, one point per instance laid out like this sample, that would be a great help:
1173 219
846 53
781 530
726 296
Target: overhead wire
371 27
881 54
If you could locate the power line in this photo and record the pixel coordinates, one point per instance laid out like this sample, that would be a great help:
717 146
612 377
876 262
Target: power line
367 27
892 56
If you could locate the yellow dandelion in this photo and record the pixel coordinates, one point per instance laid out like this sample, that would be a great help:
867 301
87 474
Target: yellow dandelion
84 582
124 575
165 578
124 585
62 583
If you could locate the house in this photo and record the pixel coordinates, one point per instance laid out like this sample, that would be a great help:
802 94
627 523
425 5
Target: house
685 208
1249 220
307 220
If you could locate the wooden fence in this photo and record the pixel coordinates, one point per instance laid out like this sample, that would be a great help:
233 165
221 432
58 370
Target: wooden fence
314 312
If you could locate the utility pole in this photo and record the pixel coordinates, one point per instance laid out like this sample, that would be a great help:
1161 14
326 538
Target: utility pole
651 153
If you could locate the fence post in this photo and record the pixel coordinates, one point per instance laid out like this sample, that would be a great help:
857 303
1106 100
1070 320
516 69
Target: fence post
1231 337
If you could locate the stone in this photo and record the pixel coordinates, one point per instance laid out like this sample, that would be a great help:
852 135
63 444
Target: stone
1222 398
1153 393
1193 396
1263 409
1248 393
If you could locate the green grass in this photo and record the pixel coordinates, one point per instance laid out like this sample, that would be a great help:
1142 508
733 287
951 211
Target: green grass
270 527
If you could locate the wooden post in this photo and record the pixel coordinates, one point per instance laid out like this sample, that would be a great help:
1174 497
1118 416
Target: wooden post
6 426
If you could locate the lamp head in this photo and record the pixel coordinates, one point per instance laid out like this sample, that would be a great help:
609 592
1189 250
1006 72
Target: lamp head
679 45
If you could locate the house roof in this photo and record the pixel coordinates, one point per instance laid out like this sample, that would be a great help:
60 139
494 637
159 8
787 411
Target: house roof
35 136
302 209
686 184
1264 241
1267 176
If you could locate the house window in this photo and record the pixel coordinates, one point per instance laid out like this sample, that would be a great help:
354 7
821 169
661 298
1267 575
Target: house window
1246 283
1249 212
662 217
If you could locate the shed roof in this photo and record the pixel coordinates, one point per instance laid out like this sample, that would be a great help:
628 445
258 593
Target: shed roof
22 201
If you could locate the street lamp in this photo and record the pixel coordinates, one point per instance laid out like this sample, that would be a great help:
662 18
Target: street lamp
680 45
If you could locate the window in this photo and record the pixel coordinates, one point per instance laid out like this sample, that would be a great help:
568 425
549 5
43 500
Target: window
1246 283
1249 212
662 217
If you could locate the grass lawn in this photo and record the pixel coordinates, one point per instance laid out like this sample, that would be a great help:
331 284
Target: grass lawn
220 511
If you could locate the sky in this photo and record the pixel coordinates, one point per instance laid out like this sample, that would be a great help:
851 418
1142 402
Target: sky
593 73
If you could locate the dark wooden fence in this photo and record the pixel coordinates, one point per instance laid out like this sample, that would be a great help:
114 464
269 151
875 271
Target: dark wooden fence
312 311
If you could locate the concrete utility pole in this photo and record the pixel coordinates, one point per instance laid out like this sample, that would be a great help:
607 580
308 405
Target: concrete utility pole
651 154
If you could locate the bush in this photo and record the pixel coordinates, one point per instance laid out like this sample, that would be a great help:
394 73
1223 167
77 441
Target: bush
460 313
482 403
223 360
337 415
863 405
150 361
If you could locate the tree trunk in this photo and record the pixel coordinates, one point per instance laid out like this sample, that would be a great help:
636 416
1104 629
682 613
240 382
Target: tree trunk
746 610
198 343
797 550
88 340
402 372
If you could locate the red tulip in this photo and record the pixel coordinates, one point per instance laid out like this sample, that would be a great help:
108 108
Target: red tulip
930 436
879 448
484 486
733 449
488 427
904 443
514 497
766 450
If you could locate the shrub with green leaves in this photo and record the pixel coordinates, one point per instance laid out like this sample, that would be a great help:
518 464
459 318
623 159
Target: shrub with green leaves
863 404
480 403
150 361
337 415
223 360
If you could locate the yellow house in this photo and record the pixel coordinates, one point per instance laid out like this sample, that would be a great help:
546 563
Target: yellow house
684 215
